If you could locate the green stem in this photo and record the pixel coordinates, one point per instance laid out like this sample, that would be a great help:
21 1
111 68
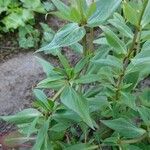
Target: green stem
84 44
91 46
131 50
85 137
58 94
120 147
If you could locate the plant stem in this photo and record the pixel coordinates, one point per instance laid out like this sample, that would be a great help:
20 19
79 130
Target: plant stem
91 46
58 94
67 138
85 137
131 50
120 148
84 46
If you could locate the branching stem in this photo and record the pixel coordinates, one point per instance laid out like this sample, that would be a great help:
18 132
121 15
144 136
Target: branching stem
131 50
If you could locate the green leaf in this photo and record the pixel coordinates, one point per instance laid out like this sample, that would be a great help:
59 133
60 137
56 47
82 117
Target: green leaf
145 97
42 99
103 11
101 41
40 95
129 100
89 78
77 48
27 115
14 139
18 18
32 127
118 45
131 14
57 84
47 67
146 46
146 15
131 78
111 141
98 103
66 115
143 146
63 10
121 26
48 6
145 114
48 35
77 103
35 5
109 61
81 146
28 37
28 128
50 79
131 147
124 128
42 135
81 7
64 61
145 35
61 6
66 36
4 5
138 64
80 65
75 15
91 9
60 127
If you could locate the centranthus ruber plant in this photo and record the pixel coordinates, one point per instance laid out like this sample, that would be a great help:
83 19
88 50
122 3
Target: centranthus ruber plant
98 103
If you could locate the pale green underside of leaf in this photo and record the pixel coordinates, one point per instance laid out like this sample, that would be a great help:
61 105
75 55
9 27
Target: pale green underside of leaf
146 16
24 116
120 24
105 8
128 10
47 67
89 78
112 39
68 35
110 61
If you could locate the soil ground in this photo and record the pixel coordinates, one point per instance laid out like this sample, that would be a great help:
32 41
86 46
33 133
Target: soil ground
18 76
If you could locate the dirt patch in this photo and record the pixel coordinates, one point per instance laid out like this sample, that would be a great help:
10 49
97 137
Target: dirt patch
18 76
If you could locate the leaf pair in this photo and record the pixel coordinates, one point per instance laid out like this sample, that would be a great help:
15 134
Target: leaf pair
79 11
137 12
66 36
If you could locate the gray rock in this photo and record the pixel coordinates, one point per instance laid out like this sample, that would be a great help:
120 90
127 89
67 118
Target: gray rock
17 78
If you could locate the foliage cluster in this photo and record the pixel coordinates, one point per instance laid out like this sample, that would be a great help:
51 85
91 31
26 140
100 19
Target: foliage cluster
20 15
97 102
